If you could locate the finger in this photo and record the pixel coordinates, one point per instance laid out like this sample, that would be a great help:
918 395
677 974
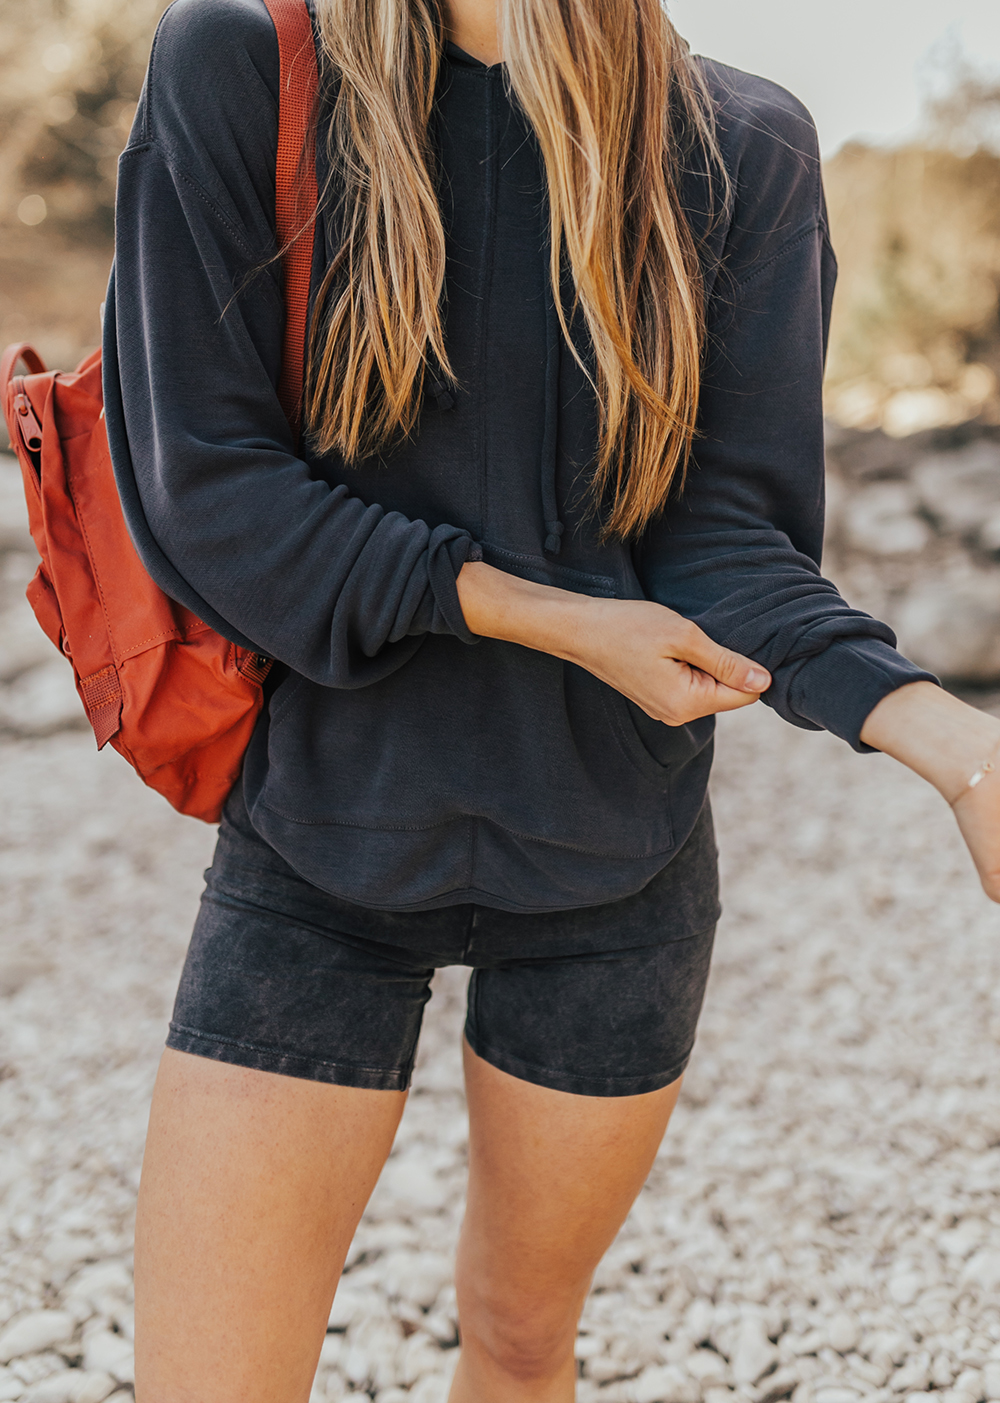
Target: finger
732 669
694 694
716 696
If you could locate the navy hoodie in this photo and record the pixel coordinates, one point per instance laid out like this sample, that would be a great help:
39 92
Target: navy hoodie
401 763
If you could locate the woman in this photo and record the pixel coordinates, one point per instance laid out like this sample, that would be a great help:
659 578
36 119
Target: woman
506 606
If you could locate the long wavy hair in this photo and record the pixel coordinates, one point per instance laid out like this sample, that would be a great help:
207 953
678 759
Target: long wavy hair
616 104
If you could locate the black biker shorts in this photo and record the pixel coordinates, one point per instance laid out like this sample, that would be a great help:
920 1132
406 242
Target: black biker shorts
597 1001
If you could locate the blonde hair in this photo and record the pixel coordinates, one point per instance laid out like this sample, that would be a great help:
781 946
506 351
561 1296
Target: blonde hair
616 102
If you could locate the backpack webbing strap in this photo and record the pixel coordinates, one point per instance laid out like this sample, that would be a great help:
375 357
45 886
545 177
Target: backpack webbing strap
295 188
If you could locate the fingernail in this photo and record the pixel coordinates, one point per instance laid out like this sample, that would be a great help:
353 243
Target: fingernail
757 680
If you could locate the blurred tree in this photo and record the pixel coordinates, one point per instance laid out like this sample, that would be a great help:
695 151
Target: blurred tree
70 73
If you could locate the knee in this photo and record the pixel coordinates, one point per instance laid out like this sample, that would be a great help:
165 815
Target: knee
526 1339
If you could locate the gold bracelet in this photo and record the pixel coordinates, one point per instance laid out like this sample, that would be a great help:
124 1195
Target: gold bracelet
986 767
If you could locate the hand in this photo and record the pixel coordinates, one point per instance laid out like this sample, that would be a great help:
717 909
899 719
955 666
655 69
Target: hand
946 741
656 658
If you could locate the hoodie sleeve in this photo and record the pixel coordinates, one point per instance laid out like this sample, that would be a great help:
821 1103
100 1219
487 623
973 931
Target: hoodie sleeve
739 549
225 515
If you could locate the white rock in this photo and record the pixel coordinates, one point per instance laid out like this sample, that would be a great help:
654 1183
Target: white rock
843 1332
809 1343
961 487
432 1388
835 1393
882 520
913 1377
905 1287
777 1385
983 1270
416 1276
874 1375
109 1353
588 1346
603 1369
11 1386
706 1366
970 1381
991 1379
352 1304
952 627
699 1318
104 1285
660 1381
68 1249
754 1353
962 1238
356 1364
32 1368
331 1351
419 1355
943 1370
72 1386
378 1343
441 1327
41 1329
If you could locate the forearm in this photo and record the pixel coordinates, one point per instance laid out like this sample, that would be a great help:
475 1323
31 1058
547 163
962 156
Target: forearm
653 656
498 605
941 738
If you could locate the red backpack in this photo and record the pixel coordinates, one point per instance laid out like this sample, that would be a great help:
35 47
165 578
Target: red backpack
177 700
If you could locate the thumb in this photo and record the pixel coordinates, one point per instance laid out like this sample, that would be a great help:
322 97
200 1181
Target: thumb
731 669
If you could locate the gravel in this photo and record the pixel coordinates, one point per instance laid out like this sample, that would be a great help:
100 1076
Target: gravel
821 1225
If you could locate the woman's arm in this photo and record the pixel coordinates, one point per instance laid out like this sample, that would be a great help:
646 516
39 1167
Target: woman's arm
226 515
738 551
662 662
947 742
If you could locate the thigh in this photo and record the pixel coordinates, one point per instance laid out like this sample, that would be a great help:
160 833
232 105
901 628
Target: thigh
551 1178
252 1186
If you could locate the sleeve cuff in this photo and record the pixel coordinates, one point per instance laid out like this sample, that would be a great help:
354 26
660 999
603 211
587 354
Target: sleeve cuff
439 611
837 690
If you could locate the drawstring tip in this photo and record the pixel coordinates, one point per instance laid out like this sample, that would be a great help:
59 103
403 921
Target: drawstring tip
553 540
440 394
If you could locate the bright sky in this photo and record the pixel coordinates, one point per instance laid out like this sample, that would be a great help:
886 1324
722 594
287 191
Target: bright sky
854 63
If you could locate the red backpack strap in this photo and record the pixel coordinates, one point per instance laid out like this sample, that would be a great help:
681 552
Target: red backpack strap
295 188
21 350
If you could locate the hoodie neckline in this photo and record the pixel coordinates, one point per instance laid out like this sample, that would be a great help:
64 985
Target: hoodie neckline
467 60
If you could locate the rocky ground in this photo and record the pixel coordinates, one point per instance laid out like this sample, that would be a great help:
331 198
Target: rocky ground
822 1223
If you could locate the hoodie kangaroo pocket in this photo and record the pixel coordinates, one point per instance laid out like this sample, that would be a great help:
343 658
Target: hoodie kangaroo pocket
536 746
657 750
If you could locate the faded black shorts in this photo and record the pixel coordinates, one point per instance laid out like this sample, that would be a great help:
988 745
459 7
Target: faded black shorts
598 1001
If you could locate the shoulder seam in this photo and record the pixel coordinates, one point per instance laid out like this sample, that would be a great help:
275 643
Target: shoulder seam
199 191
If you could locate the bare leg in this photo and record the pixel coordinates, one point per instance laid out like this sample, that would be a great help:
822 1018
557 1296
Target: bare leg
551 1179
252 1186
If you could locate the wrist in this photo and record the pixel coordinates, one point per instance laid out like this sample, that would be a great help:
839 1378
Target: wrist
939 737
498 605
